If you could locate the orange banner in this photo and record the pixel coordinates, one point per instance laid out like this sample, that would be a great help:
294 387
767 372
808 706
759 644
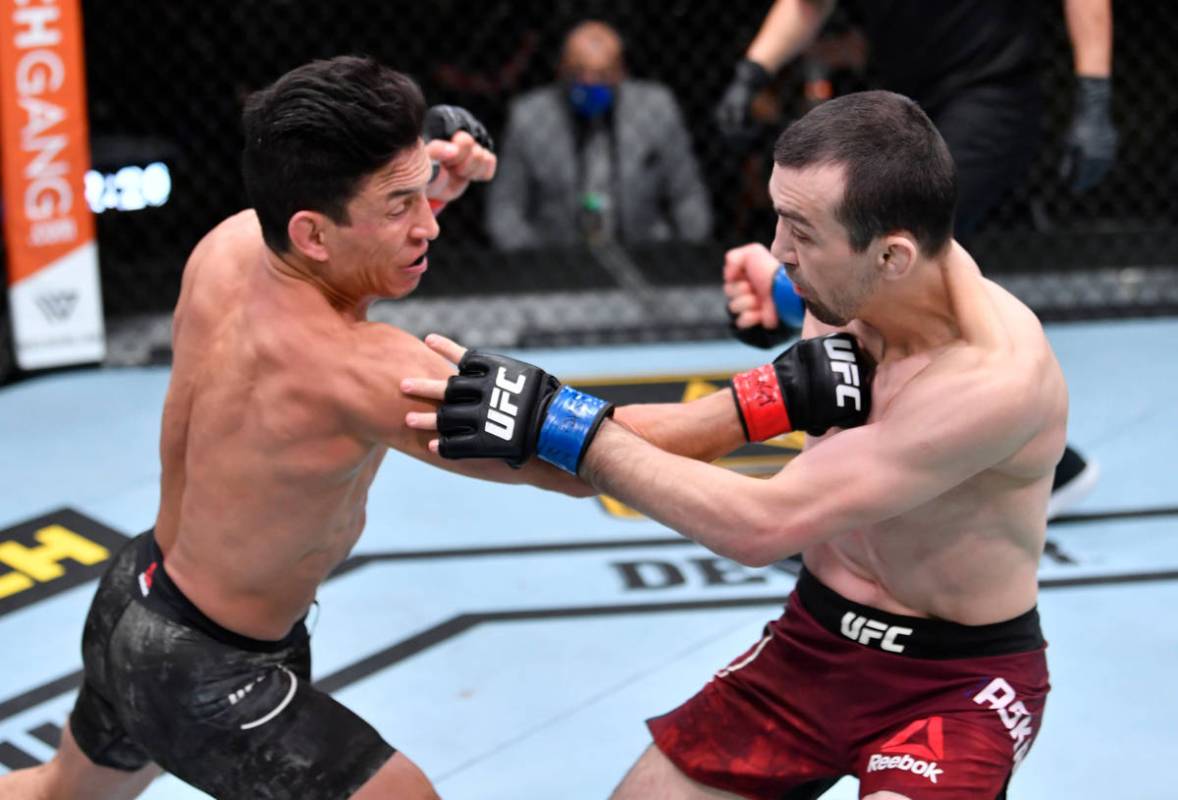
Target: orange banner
49 229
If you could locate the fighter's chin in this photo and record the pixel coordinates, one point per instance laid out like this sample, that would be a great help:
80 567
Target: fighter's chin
404 287
824 314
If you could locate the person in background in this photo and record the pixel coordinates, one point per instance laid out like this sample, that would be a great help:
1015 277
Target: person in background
596 156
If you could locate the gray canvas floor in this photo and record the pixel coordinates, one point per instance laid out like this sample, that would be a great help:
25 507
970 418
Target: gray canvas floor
505 653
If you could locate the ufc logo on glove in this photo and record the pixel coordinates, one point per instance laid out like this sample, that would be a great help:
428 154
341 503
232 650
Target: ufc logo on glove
815 385
486 414
842 362
501 412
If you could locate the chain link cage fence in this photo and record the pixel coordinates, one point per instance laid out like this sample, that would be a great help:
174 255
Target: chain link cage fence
166 83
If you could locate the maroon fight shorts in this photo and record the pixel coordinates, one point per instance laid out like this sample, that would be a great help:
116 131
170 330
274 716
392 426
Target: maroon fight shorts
925 708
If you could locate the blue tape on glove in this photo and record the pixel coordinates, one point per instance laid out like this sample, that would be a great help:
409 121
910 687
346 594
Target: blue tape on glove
568 426
790 308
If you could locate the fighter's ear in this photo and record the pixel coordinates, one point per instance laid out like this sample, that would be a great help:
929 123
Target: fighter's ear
308 234
898 254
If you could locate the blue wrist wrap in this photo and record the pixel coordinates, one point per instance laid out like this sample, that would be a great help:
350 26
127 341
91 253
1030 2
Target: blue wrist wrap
570 422
790 308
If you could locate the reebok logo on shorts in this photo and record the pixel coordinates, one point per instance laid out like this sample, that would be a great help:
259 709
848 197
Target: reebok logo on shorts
926 769
915 749
501 412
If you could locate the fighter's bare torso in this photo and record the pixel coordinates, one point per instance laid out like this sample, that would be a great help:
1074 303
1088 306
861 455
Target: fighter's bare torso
265 478
969 555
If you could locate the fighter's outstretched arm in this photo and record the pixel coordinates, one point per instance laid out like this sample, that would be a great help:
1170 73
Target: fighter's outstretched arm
812 386
376 406
498 407
705 428
964 415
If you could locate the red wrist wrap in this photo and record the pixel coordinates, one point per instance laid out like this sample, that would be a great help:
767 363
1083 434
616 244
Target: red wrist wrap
762 408
436 205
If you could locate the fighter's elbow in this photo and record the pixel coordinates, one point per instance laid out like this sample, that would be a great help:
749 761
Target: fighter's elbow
763 553
765 543
789 522
752 557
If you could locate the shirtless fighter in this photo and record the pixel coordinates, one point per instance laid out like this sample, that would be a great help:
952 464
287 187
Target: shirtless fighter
282 403
910 653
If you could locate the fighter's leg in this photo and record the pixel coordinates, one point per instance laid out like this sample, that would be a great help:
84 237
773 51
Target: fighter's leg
954 755
759 729
399 777
261 730
70 774
654 777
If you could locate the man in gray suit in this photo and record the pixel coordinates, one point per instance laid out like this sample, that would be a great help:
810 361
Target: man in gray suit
596 157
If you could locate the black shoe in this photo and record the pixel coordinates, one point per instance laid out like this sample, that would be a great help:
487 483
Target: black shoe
1075 479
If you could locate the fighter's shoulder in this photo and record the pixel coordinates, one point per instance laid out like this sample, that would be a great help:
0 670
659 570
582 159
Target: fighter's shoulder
380 355
994 368
240 227
228 239
381 340
1011 389
368 378
1025 348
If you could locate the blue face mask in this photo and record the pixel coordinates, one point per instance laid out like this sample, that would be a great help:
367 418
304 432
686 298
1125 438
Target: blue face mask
591 100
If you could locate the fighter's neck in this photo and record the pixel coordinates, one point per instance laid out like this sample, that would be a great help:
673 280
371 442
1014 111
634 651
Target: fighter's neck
293 273
924 312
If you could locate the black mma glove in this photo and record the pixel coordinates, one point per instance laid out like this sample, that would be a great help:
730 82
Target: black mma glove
442 122
1091 143
791 313
815 385
498 407
759 335
732 112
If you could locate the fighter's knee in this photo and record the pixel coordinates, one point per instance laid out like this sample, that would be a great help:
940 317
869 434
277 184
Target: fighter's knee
885 795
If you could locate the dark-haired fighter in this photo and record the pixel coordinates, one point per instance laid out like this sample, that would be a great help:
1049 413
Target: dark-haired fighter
910 654
283 400
281 405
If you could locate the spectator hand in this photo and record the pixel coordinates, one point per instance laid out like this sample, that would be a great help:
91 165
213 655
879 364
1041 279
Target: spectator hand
732 113
1091 143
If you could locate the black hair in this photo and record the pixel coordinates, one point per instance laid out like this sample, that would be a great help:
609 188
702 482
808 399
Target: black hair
899 173
315 133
